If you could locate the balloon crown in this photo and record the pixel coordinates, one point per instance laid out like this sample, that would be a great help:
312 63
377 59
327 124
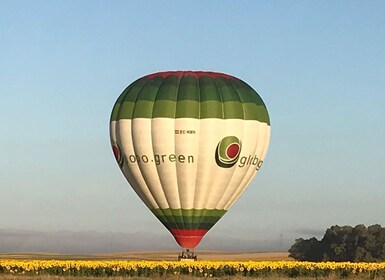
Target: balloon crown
190 73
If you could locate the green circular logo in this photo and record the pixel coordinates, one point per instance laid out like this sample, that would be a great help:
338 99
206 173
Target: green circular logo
228 151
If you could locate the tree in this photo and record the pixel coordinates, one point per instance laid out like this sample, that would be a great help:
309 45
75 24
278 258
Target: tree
343 244
306 250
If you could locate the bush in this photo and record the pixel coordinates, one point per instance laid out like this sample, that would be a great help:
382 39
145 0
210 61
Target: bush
346 243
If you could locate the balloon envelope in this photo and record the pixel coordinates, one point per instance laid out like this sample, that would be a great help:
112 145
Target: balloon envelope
189 143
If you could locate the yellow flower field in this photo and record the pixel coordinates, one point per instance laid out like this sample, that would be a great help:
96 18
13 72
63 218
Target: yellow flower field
198 268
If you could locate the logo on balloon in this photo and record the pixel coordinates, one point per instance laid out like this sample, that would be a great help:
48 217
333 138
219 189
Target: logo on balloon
227 151
118 154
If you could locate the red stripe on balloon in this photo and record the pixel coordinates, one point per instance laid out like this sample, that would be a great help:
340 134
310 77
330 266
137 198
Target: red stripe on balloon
188 238
191 73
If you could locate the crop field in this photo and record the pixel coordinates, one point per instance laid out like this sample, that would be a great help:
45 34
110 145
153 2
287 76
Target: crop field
162 265
155 256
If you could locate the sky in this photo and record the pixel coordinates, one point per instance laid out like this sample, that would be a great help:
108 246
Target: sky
318 65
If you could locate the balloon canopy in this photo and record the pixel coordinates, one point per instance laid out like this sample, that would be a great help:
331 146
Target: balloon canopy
189 143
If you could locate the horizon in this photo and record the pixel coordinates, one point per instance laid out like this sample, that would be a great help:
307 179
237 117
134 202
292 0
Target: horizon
93 242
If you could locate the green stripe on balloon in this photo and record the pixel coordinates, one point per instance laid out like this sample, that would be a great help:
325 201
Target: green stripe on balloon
176 95
188 218
188 212
191 109
205 226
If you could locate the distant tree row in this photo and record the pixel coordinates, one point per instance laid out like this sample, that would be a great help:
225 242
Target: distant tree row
346 243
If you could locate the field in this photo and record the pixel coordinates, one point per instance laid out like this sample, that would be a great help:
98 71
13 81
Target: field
155 255
182 277
163 265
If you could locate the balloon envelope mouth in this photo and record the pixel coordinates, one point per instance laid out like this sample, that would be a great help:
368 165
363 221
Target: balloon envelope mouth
188 238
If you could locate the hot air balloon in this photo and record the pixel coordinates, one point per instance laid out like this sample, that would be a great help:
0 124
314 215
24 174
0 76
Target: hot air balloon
189 143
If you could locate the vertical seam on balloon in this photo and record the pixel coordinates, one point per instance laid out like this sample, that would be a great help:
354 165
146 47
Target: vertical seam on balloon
122 101
141 195
263 154
132 137
234 197
139 189
255 147
117 107
152 141
176 166
240 98
117 113
209 193
152 145
243 132
198 148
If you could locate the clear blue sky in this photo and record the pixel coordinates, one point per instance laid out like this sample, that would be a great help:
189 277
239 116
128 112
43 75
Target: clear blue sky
318 65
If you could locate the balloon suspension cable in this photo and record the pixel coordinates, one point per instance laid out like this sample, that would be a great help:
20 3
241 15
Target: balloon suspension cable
187 255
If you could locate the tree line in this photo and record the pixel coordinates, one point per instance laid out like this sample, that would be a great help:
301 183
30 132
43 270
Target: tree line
343 243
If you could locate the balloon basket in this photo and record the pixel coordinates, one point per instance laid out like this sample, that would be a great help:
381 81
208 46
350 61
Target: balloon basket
188 256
